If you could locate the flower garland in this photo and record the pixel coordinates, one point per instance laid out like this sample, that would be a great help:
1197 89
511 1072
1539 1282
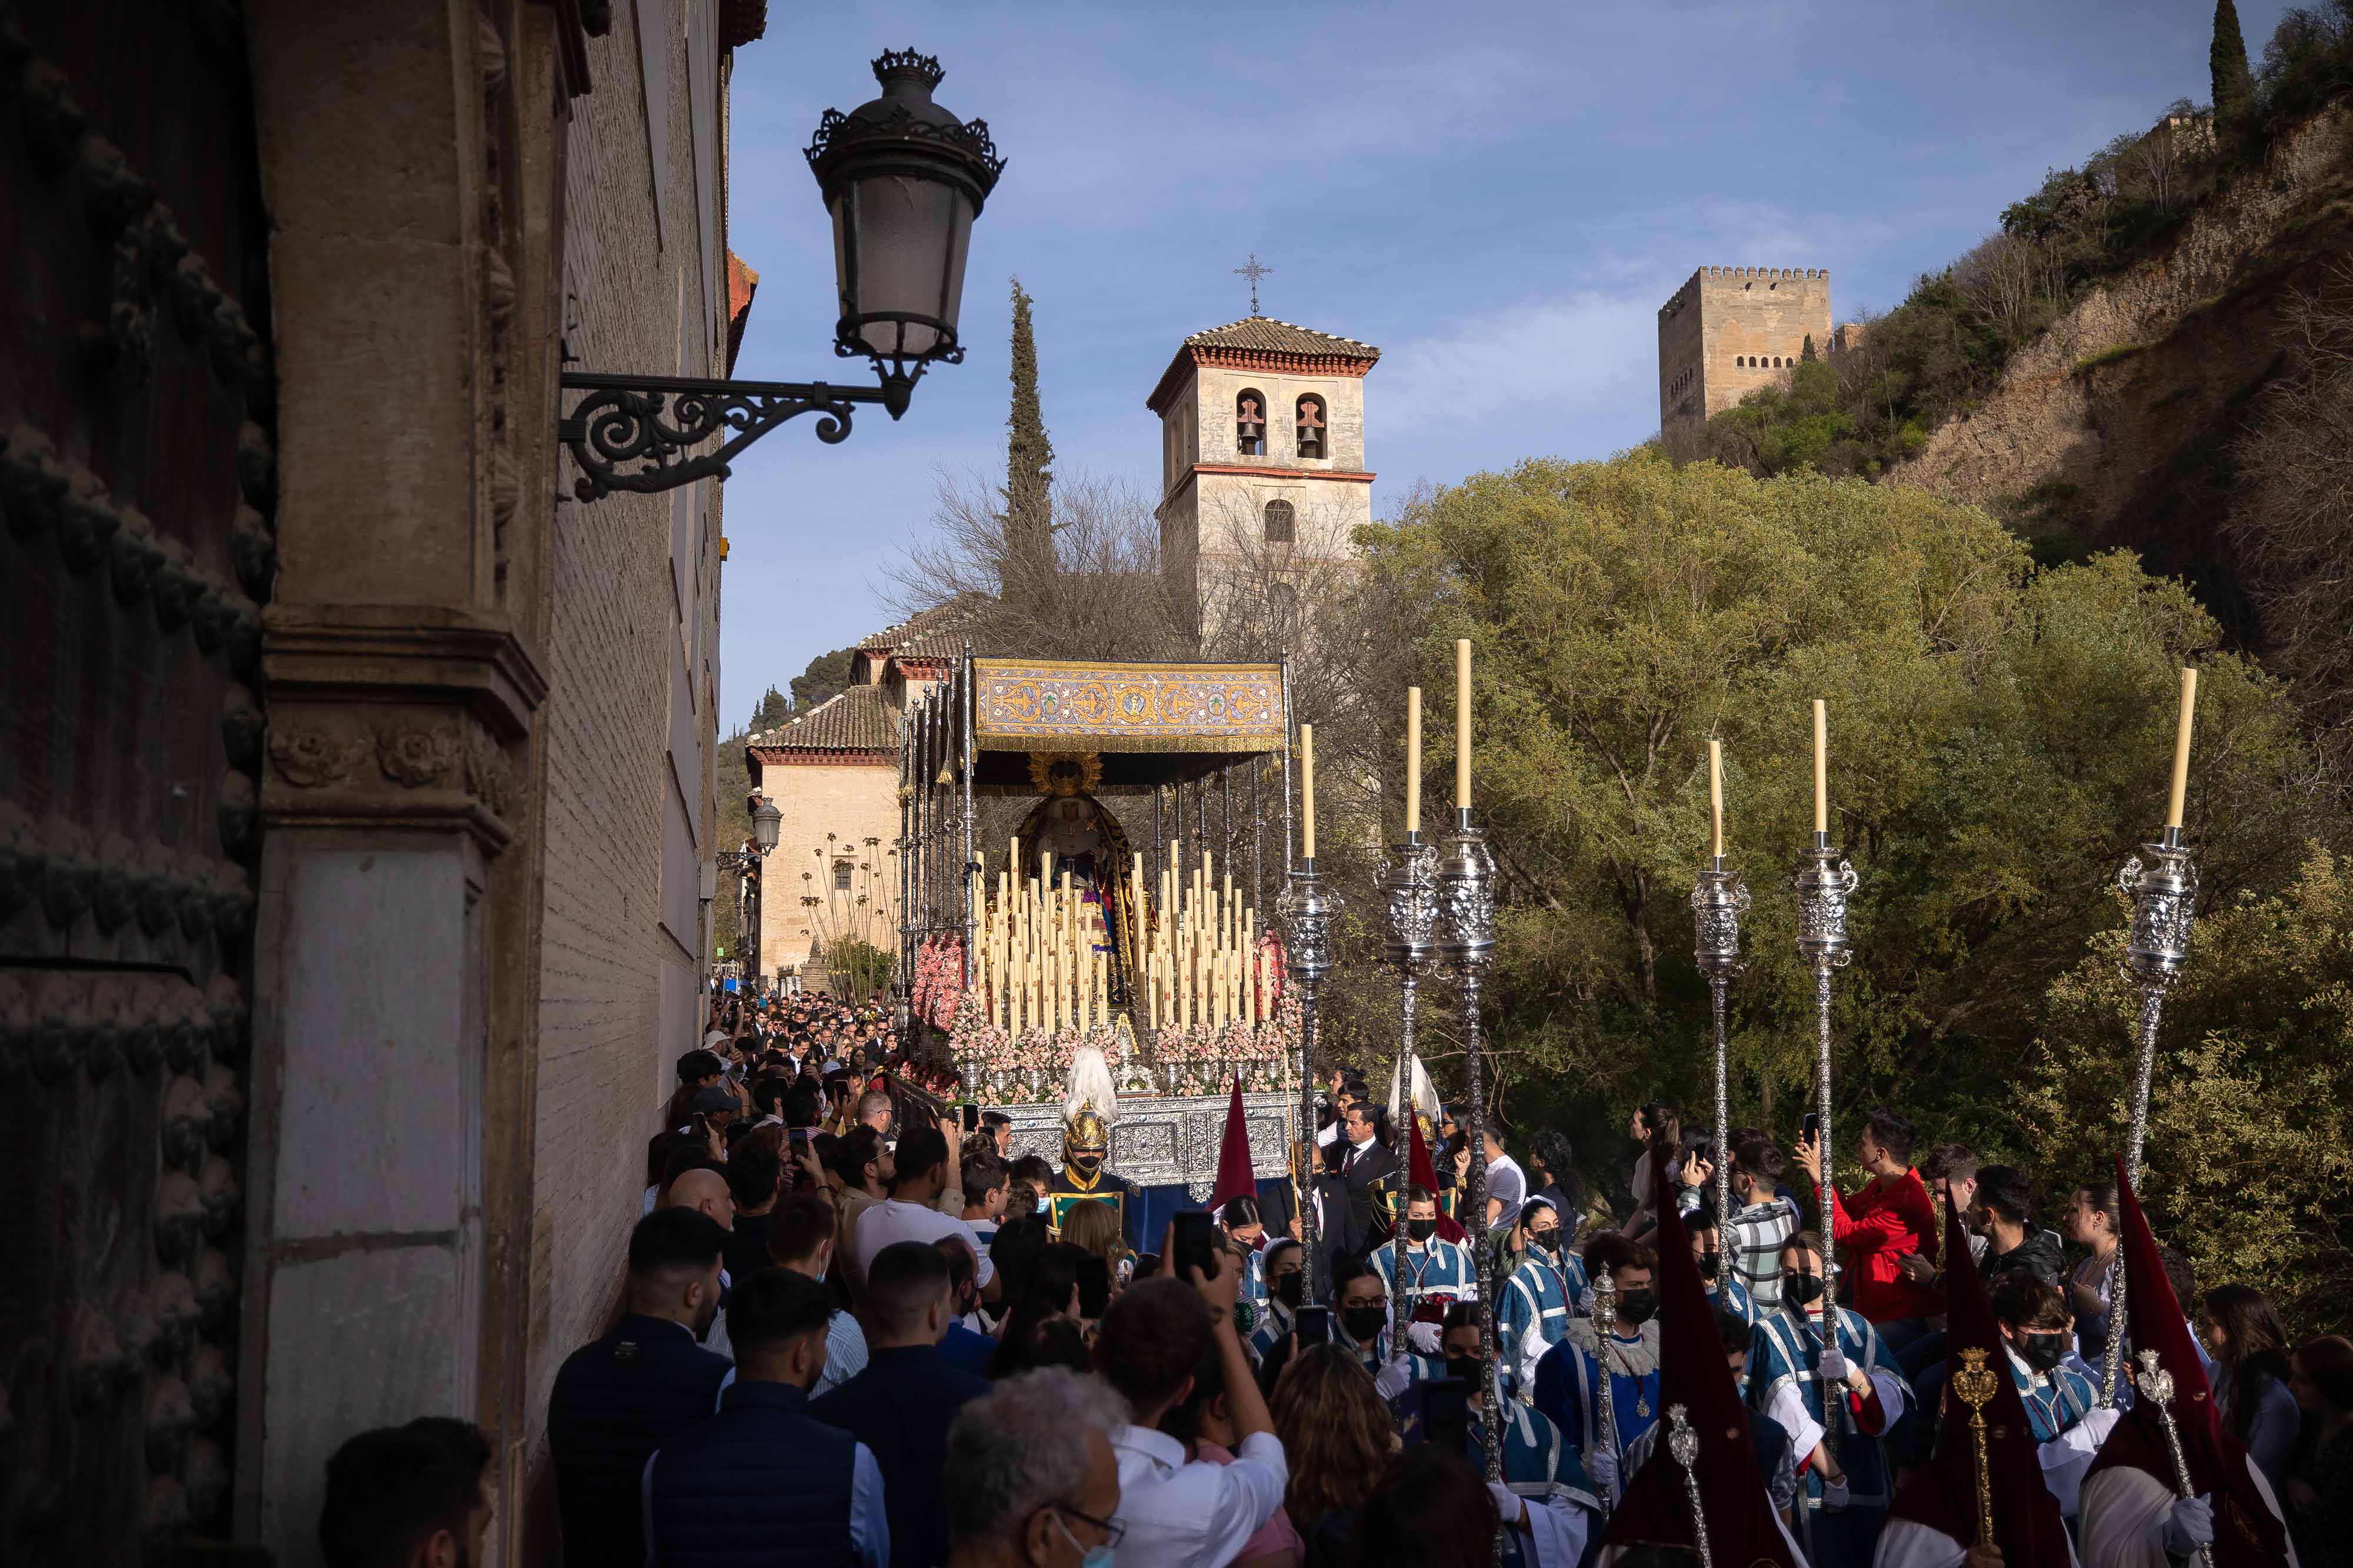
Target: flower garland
939 980
1031 1067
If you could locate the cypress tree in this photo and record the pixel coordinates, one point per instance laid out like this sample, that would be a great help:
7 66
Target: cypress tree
1029 463
1807 355
2226 62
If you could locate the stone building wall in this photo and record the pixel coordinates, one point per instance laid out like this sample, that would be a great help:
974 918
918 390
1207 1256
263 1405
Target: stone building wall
853 801
1731 329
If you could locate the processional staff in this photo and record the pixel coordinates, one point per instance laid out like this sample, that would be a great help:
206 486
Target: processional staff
1824 883
1410 885
1718 901
2165 899
1308 908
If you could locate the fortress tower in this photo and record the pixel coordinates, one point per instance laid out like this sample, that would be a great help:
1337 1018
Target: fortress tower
1729 330
1262 467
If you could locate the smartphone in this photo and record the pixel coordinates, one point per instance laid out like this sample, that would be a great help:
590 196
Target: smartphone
1196 1244
968 1114
1315 1325
1446 1413
1810 1130
800 1134
1094 1287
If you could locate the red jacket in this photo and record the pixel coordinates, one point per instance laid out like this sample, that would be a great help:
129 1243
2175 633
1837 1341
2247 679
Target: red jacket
1889 1217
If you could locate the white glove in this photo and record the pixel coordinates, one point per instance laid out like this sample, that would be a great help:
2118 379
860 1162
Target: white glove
2189 1525
1423 1337
1602 1466
1833 1366
1837 1493
1508 1506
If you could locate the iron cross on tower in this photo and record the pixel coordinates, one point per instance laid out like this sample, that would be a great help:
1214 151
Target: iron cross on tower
1253 273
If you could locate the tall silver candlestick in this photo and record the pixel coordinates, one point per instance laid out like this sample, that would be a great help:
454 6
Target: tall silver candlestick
1409 888
2165 899
1466 941
1308 908
1824 883
1718 900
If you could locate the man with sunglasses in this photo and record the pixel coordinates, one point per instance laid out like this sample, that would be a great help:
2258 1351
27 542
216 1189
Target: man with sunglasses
1031 1478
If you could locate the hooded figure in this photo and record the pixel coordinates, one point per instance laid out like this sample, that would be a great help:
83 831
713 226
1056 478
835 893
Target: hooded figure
1935 1519
1697 1395
2134 1515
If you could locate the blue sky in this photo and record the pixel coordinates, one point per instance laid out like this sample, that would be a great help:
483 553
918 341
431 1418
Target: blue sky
1498 197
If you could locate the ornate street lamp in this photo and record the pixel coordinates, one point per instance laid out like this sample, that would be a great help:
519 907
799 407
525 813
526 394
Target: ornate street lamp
746 863
903 179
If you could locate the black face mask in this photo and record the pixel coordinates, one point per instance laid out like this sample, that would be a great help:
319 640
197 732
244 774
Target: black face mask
1422 1230
1635 1308
1287 1288
1709 1264
1544 1242
2040 1351
1465 1367
1801 1290
1363 1323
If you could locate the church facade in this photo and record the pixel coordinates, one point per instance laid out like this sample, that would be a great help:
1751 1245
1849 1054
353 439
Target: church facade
1263 481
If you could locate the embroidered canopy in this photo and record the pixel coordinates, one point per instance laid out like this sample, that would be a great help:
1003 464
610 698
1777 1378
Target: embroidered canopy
1046 705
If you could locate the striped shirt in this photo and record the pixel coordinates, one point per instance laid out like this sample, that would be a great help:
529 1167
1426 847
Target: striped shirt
1753 1244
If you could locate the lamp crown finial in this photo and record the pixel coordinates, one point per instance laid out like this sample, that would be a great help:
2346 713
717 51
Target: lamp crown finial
923 68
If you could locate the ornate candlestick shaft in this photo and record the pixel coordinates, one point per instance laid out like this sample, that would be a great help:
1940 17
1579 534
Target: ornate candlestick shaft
1975 1386
2164 900
1409 888
1683 1446
1308 907
1824 881
1605 1395
1466 941
2155 1385
1718 900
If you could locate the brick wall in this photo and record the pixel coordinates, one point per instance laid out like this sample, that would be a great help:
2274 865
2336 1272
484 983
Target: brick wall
632 663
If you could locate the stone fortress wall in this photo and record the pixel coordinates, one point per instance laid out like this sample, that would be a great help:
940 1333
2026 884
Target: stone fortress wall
1729 330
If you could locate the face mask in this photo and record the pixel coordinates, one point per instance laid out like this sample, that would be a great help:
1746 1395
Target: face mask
1709 1264
1088 1557
1287 1288
1422 1230
2040 1351
1363 1323
1042 1206
1635 1308
1544 1242
1804 1289
1465 1367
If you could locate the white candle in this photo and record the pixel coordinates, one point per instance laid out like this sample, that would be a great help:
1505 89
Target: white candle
1462 723
2181 749
1413 759
1716 798
1821 767
1307 789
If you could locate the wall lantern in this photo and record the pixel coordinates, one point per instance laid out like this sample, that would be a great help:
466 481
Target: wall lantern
903 179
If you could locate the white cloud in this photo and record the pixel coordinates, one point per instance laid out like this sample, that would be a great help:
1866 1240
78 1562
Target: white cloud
1527 364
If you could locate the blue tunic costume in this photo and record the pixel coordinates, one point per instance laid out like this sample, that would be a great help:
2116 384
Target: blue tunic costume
1539 1467
1436 1268
1569 1379
1785 1355
1532 1312
2065 1397
1733 1296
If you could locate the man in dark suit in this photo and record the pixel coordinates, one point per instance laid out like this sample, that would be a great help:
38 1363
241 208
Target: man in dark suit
1365 1161
619 1399
901 1405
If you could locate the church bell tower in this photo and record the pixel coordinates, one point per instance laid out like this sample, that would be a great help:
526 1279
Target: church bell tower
1263 481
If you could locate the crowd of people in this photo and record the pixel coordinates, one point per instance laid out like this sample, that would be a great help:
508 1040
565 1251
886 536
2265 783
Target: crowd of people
850 1336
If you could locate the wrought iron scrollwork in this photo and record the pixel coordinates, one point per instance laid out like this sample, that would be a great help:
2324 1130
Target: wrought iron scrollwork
640 433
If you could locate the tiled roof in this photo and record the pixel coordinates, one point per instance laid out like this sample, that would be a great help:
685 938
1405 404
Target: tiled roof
939 632
858 720
1267 335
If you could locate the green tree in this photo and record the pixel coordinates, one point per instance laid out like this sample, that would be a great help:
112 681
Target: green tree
827 677
2000 740
2226 64
2251 1121
773 709
1029 463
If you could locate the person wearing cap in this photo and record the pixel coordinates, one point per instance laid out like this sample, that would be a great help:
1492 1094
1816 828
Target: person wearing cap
716 1106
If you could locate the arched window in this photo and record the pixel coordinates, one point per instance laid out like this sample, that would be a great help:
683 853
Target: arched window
1249 423
1282 611
1282 522
1311 427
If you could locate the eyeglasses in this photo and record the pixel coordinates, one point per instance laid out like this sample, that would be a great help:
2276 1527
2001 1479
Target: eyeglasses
1112 1530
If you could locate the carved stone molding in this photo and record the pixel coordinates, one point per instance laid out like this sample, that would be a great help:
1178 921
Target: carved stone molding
311 759
416 756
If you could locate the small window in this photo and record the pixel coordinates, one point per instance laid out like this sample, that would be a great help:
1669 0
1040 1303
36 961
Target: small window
1249 423
1282 522
842 870
1311 427
1281 610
